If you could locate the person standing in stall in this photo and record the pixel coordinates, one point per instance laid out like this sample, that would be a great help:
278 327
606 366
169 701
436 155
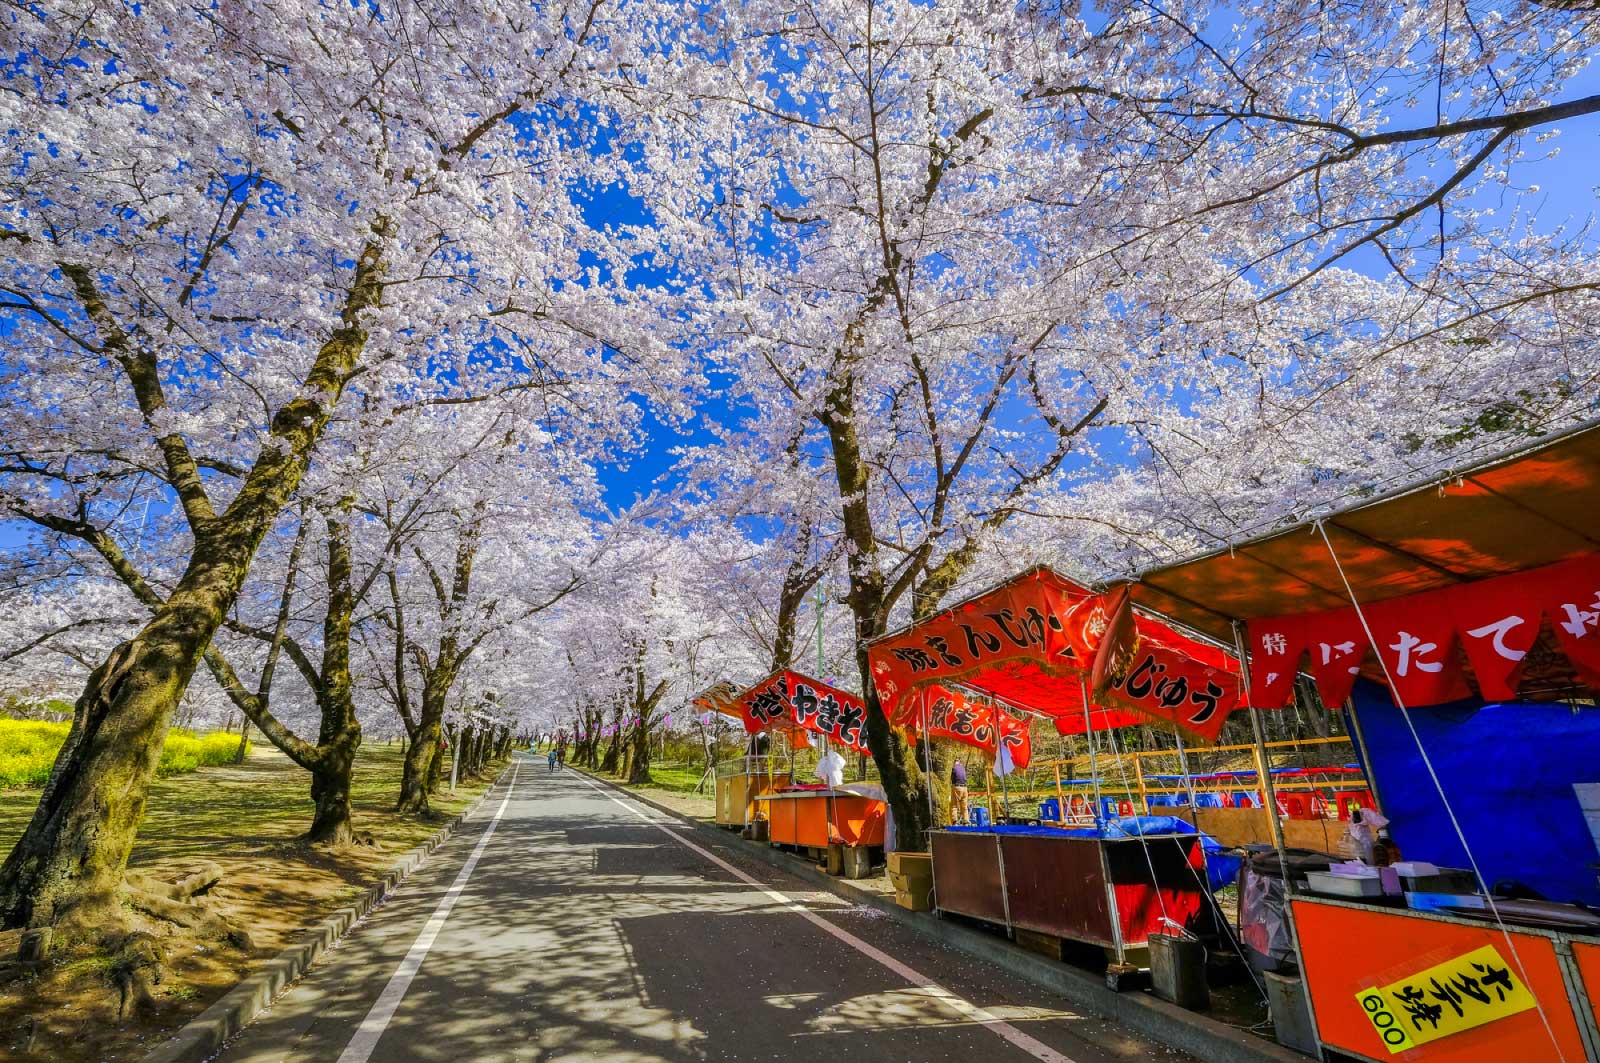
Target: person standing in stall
958 794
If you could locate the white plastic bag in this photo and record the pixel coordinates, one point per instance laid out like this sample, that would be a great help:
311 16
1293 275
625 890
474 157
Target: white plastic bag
1003 764
830 768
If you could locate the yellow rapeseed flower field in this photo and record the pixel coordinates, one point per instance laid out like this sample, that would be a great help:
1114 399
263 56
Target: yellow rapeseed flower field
28 748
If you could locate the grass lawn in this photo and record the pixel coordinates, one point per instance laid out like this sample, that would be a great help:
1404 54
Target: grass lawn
678 779
245 818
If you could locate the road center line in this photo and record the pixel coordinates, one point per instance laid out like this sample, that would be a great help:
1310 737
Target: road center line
359 1050
960 1005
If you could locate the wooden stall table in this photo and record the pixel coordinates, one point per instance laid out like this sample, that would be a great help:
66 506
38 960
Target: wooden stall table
1112 893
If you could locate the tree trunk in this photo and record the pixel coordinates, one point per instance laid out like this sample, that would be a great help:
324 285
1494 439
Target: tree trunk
905 784
330 790
340 733
71 857
608 763
244 741
639 768
423 765
419 766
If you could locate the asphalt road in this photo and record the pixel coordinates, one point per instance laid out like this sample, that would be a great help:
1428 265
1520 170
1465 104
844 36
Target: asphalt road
564 922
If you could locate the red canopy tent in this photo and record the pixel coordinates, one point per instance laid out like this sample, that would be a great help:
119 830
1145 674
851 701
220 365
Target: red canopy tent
1448 562
954 716
1033 641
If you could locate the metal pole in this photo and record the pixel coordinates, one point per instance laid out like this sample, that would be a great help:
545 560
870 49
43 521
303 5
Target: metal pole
1366 756
821 601
455 757
1271 800
927 751
1269 794
927 758
1094 764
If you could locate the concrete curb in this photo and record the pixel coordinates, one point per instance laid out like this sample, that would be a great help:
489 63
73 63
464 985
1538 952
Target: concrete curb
206 1033
1142 1013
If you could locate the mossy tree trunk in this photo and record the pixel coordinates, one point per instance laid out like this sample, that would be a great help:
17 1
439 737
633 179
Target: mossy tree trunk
70 861
644 707
608 763
331 759
422 761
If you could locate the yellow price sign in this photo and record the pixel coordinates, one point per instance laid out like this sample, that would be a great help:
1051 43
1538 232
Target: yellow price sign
1447 998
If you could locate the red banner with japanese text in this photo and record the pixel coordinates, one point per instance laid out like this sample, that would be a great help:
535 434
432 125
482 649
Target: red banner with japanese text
1164 685
1021 620
789 701
1421 639
1052 625
953 716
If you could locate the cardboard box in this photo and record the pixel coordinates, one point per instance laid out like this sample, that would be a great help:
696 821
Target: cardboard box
910 863
915 902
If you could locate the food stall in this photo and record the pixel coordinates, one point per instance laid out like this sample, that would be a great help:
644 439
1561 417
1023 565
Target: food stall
814 817
1075 885
1044 645
1456 623
806 816
738 782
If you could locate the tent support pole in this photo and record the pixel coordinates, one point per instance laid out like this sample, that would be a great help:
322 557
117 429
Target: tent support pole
1366 756
1270 798
927 751
1094 764
927 774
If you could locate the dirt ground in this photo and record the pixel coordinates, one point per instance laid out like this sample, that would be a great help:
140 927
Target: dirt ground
244 818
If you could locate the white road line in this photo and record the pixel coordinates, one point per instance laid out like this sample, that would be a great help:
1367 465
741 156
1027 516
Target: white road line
960 1005
359 1050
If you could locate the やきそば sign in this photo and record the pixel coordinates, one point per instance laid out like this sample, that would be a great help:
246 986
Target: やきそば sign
789 701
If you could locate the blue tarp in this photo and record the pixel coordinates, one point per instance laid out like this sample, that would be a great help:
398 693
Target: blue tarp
1508 769
1221 868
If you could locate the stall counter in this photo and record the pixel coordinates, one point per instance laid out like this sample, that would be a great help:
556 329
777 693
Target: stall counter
812 818
1349 949
1109 892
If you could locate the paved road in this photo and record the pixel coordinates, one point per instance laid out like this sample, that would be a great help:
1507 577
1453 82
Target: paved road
563 923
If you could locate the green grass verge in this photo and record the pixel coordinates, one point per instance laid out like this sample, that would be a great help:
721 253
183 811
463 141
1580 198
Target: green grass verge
264 802
678 780
28 750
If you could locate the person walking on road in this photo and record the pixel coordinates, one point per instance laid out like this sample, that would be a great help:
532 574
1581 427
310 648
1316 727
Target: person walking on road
551 758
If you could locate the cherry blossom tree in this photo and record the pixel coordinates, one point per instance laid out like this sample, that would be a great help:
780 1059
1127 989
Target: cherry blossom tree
505 542
224 235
